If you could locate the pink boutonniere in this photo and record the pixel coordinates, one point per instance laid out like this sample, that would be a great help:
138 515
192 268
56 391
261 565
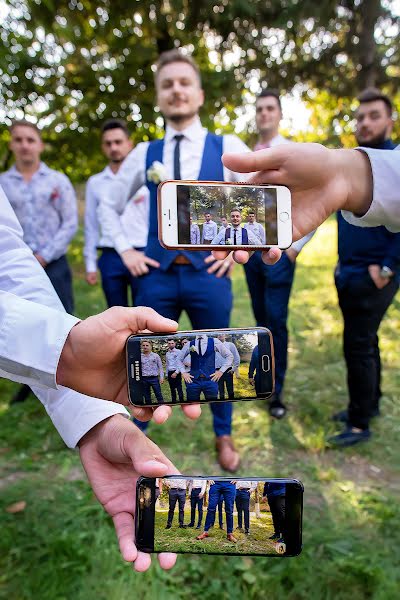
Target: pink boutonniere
138 199
55 194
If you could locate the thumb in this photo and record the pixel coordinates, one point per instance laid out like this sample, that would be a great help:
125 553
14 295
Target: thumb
138 319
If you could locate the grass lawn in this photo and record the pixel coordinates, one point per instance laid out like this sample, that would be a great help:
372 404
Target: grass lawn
62 545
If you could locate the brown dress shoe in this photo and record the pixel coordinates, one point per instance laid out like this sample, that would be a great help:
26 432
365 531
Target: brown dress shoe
228 457
203 535
231 538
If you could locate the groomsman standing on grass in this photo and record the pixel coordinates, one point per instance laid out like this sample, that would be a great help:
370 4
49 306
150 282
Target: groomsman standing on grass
194 233
197 488
176 494
116 278
227 376
242 500
174 281
270 286
209 229
173 372
220 490
45 204
367 279
152 373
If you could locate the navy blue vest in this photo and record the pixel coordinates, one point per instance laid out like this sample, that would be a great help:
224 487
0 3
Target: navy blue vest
211 170
204 364
245 237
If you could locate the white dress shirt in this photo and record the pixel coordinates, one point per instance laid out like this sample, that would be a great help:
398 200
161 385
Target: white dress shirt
33 330
246 485
175 482
236 357
198 483
132 173
385 206
257 229
134 220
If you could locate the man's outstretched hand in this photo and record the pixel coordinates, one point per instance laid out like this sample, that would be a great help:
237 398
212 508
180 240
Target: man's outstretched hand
114 454
321 182
93 358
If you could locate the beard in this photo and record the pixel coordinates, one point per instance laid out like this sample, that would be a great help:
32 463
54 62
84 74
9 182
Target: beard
117 160
179 118
374 142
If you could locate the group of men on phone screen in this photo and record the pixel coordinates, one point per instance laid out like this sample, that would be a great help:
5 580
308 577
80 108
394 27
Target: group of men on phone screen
223 495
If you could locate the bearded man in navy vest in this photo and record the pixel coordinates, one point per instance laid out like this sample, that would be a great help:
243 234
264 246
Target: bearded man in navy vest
172 281
235 234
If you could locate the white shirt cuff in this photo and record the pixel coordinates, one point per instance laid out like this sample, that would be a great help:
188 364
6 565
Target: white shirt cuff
385 205
91 266
121 243
74 414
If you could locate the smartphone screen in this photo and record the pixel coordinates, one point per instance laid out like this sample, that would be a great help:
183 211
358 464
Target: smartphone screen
200 366
220 515
227 215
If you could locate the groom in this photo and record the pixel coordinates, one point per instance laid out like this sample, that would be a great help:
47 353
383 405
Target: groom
173 281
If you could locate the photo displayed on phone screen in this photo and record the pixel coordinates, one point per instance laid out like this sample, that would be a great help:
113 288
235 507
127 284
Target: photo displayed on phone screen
227 215
207 366
222 516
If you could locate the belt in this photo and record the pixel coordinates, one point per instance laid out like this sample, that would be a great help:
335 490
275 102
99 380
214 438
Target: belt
181 260
243 489
178 489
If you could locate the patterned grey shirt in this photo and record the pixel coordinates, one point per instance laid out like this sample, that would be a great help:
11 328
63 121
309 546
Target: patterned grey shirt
151 365
257 229
194 234
45 207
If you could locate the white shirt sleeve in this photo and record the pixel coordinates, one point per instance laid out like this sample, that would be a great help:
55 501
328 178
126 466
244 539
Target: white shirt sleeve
33 329
114 196
299 245
385 206
91 228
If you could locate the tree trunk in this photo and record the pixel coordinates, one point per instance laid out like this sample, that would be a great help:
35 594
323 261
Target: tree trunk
369 11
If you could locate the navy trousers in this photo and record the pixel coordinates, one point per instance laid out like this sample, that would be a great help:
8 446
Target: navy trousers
242 501
59 273
269 287
363 307
116 279
175 496
226 380
221 490
277 507
175 385
152 383
196 502
208 303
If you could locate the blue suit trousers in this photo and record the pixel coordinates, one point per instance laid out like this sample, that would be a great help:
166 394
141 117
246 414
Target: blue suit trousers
221 490
116 279
208 303
243 508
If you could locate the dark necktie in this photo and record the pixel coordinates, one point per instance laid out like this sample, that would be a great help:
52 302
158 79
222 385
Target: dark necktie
177 157
200 352
234 236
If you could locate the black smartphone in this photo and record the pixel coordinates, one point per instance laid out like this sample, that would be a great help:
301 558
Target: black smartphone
215 365
219 515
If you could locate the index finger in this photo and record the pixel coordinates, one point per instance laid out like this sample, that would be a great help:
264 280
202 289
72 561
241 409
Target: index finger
261 160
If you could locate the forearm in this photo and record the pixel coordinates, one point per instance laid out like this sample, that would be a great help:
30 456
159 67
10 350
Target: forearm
356 169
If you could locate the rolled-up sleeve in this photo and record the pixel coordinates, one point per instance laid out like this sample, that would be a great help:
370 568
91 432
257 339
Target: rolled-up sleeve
385 206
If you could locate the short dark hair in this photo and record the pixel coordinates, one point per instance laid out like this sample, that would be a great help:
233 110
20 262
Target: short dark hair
170 340
172 56
24 123
372 94
251 212
224 217
267 92
115 124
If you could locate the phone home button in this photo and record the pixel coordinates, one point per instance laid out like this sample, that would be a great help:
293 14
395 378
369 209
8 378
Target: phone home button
283 216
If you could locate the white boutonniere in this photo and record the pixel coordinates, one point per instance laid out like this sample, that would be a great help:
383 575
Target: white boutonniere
156 173
228 242
193 349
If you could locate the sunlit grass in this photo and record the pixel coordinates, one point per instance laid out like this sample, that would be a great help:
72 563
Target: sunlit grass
63 546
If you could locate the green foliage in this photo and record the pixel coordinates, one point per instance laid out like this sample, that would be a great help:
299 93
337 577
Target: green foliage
71 64
63 546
